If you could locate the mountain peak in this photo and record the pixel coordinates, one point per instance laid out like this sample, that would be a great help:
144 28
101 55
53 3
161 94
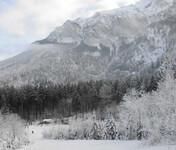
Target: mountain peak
154 4
90 30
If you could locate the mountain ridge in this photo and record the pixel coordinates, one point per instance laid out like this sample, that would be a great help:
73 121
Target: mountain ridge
109 45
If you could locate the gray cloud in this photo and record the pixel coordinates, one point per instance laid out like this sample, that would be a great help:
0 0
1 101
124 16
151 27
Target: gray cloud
41 16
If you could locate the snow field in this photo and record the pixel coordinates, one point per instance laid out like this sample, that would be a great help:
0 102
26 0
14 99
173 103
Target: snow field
39 143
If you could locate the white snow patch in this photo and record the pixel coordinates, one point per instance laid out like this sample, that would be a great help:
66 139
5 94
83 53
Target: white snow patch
67 40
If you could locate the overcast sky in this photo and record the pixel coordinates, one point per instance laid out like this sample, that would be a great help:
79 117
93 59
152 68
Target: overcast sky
24 21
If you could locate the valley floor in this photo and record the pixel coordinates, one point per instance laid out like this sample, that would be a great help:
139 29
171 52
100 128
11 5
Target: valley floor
38 143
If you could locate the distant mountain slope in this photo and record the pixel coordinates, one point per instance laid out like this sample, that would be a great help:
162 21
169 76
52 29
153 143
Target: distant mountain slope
108 45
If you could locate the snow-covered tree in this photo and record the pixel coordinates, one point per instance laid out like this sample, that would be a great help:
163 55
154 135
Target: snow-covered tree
152 115
96 131
12 132
111 131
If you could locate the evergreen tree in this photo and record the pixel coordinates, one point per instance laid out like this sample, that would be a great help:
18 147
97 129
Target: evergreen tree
111 132
153 85
106 98
96 132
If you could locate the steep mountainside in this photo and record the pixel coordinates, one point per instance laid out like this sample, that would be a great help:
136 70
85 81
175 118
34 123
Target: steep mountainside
110 44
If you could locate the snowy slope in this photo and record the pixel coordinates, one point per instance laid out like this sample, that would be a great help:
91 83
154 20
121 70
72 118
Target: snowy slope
108 45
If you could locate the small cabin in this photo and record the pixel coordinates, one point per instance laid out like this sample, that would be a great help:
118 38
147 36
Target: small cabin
45 121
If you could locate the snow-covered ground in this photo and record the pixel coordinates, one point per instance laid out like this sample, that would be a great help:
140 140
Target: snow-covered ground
38 143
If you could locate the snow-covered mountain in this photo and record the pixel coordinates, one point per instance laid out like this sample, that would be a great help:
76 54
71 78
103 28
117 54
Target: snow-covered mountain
110 44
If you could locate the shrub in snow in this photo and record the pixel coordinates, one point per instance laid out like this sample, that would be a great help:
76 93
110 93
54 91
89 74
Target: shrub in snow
80 129
56 133
12 133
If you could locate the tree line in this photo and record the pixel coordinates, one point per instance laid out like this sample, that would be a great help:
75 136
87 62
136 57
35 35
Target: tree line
33 102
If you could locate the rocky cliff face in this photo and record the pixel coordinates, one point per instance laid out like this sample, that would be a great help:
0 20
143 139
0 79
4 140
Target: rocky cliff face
110 44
